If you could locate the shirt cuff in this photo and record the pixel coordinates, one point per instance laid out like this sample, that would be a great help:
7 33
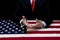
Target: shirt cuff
43 24
21 23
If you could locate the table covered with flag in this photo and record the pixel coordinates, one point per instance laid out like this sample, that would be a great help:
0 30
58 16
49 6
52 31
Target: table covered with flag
16 33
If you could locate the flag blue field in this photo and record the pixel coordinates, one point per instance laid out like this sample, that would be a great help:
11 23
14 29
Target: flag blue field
9 27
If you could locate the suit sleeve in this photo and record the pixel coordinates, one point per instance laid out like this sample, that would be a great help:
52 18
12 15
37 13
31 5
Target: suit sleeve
48 18
19 12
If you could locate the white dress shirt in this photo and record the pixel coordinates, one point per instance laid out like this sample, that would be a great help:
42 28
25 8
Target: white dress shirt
31 1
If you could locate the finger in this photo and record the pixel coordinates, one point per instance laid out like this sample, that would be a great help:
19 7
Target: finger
37 20
23 17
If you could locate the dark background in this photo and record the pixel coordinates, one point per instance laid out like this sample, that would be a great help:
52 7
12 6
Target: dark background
55 8
7 8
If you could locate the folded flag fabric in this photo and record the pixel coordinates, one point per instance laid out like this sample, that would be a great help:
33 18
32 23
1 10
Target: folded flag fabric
12 31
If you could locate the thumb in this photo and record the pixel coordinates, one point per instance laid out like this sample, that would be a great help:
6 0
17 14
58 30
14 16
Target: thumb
37 20
23 17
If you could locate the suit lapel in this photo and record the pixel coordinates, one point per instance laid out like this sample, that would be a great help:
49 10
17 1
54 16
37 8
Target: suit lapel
36 3
26 3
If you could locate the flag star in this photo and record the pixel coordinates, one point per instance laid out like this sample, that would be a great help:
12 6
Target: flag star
16 28
16 32
6 30
11 22
8 23
7 26
10 28
4 25
11 25
9 32
2 32
3 28
22 26
19 30
13 30
3 21
0 26
0 22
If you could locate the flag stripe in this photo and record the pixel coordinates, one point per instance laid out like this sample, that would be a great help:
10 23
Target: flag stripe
51 24
46 29
32 38
44 32
54 26
35 21
56 20
28 35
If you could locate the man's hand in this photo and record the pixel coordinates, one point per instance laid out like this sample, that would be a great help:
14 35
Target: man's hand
38 24
25 22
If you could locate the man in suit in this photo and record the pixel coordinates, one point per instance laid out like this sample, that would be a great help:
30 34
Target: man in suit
39 11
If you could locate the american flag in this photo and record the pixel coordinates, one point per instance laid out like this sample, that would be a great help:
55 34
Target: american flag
11 31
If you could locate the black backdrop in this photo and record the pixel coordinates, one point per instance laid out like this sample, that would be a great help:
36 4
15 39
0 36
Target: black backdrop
55 8
7 7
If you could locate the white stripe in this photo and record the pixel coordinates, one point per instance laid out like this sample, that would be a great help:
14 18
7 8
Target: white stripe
56 20
45 29
35 20
29 35
54 24
31 20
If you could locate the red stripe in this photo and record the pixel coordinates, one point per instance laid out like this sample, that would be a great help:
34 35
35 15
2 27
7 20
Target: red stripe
32 22
56 22
32 38
42 32
54 26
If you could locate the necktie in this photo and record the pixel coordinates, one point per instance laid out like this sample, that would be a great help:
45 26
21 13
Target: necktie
33 4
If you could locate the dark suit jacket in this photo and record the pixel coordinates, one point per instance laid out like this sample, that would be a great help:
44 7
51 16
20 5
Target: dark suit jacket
41 10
